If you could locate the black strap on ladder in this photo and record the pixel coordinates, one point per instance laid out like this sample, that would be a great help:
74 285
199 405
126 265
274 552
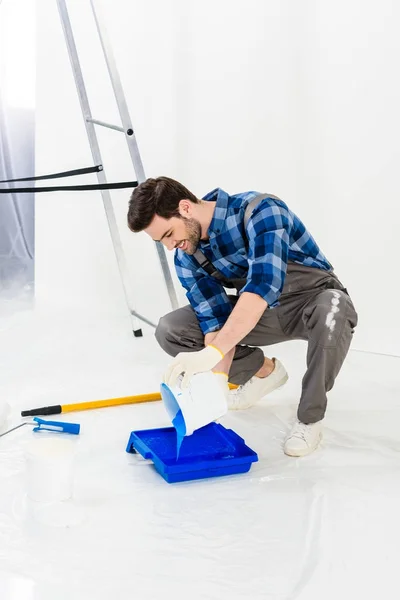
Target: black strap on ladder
206 264
70 188
83 171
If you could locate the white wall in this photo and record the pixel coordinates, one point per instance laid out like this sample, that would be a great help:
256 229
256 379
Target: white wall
300 99
236 107
350 127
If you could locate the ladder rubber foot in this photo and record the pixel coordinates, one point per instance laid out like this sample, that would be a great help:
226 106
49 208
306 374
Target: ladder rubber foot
138 333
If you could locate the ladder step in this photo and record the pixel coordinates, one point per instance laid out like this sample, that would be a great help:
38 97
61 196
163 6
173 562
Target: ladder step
104 124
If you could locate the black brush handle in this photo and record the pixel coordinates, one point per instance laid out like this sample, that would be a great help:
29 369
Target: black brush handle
46 410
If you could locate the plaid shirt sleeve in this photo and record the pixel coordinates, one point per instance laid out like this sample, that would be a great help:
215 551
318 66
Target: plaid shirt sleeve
268 234
205 294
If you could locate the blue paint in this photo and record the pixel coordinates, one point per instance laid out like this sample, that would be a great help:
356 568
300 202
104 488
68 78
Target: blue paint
175 414
179 424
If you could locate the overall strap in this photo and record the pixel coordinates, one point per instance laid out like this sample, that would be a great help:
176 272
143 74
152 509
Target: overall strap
253 204
206 264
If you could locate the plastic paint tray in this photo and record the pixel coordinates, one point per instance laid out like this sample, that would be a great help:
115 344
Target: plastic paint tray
211 451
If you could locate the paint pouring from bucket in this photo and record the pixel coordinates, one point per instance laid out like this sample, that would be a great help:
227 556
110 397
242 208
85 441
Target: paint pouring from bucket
175 414
201 403
179 423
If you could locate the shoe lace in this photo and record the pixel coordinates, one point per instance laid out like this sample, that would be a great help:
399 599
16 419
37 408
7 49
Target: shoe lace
235 392
238 390
301 431
234 395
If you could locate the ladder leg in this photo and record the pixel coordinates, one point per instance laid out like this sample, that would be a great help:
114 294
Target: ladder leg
130 135
101 176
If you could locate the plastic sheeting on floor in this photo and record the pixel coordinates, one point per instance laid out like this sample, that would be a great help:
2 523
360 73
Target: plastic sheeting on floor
325 526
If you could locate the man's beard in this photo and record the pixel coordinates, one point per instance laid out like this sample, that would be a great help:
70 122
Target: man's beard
193 235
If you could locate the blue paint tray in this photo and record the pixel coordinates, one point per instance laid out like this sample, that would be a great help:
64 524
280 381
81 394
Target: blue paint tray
211 451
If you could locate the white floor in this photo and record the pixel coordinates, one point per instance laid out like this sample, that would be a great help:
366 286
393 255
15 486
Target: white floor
326 526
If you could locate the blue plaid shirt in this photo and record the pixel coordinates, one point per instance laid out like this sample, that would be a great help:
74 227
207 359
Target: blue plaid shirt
274 235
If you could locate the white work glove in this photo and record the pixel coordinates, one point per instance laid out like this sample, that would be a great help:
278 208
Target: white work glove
190 363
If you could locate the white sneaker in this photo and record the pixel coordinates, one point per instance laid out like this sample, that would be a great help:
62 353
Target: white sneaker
303 439
256 388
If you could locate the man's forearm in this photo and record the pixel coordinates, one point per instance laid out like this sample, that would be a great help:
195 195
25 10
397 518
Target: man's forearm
243 318
225 364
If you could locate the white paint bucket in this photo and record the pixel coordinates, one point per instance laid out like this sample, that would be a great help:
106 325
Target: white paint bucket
49 469
201 403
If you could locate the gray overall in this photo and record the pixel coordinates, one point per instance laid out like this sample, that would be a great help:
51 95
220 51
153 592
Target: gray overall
314 306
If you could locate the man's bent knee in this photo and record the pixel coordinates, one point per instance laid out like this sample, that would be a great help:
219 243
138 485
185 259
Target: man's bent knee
178 331
162 330
332 317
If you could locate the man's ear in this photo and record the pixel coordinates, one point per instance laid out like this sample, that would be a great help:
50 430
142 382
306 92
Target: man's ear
185 208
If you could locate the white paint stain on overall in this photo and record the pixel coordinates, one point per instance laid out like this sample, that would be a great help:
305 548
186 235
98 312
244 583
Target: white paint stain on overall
330 318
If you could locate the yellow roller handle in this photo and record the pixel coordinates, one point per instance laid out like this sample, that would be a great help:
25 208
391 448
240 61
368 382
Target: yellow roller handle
117 401
111 402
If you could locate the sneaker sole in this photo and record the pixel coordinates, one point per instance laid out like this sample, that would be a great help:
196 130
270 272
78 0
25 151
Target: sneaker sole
305 452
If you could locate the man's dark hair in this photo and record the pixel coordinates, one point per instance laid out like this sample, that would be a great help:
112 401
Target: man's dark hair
159 196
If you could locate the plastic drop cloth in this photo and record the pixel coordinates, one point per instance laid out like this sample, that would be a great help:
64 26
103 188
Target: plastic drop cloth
325 526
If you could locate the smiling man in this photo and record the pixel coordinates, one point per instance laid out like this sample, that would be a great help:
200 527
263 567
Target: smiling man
285 289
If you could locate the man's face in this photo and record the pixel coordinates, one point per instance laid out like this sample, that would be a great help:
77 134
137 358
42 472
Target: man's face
183 233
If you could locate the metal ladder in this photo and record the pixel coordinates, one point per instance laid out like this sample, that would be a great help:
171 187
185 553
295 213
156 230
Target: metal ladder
127 129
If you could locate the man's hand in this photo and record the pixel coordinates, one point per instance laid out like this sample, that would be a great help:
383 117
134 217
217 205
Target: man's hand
190 363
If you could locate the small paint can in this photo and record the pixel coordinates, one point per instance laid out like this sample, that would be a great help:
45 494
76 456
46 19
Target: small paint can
50 469
201 403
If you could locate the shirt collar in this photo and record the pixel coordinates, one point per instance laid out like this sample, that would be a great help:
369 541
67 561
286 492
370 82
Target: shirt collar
221 198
